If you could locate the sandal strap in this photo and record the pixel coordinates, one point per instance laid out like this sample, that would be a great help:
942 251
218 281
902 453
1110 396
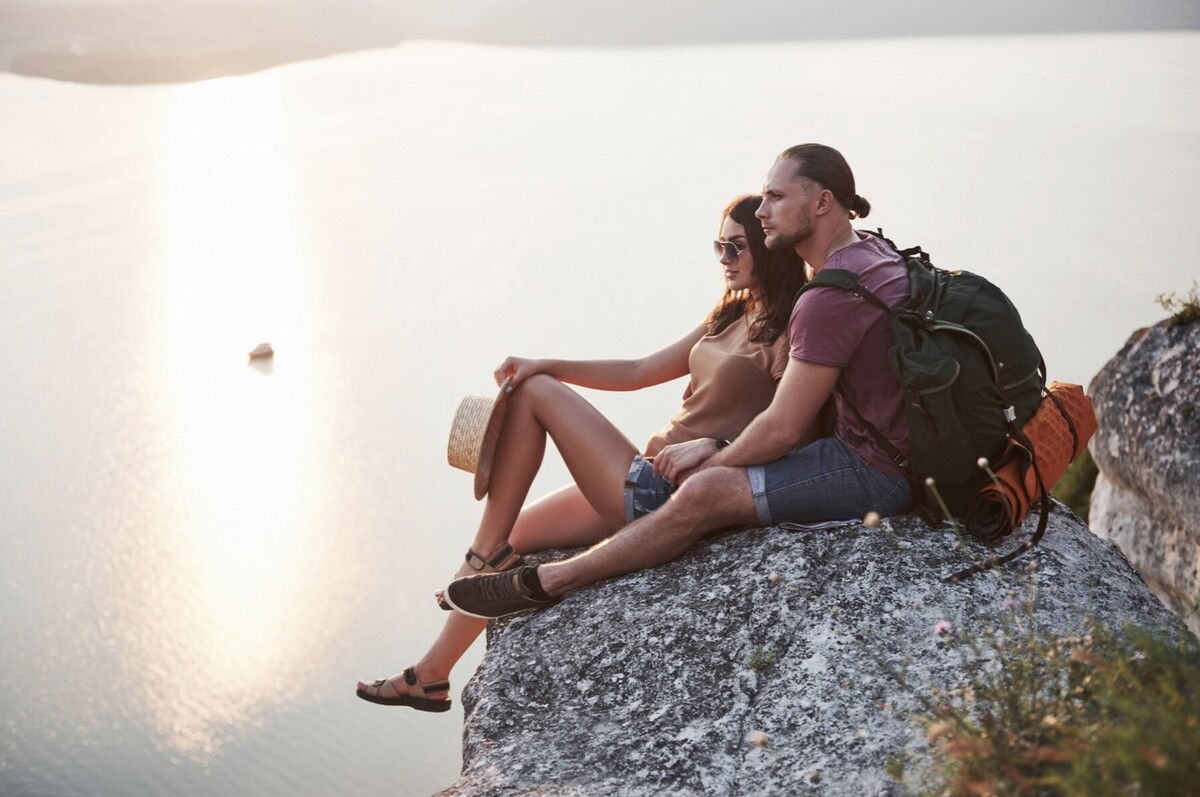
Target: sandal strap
504 558
418 689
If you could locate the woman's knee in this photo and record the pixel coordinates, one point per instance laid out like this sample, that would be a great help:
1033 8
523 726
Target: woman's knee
539 385
534 392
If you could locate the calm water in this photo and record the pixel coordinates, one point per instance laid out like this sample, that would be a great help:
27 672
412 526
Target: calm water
198 558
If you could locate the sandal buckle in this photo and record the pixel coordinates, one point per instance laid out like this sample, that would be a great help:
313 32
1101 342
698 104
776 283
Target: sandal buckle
504 558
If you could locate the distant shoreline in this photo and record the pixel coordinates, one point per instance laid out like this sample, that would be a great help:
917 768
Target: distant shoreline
156 41
147 69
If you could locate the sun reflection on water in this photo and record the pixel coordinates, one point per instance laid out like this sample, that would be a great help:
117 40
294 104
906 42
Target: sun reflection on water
224 590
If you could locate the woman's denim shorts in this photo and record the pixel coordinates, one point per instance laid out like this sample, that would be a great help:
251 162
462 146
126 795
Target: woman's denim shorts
645 490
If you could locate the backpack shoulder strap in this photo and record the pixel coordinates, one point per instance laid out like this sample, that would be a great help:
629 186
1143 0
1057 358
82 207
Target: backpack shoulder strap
912 251
846 281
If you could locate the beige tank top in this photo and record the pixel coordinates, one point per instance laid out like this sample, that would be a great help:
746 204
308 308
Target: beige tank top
732 381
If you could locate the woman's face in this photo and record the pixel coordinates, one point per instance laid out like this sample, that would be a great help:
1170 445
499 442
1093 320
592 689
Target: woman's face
739 269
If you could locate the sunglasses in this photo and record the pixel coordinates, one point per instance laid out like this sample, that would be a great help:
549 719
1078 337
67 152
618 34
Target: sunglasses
728 249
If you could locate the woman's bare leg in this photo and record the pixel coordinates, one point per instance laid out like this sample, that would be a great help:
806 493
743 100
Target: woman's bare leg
562 519
598 456
595 451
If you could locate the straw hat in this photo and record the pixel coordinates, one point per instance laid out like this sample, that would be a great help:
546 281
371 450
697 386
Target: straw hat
474 433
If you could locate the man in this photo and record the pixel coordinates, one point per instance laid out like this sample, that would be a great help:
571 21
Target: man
837 340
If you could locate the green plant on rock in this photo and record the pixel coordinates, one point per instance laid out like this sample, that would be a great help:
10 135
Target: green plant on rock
762 660
1099 713
894 766
1185 310
1075 487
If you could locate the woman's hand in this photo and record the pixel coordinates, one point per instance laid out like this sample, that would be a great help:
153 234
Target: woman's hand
517 369
677 461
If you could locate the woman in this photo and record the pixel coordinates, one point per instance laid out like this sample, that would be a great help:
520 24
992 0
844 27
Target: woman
735 358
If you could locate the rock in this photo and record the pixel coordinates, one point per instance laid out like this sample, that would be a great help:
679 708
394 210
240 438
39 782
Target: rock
1147 496
707 677
262 350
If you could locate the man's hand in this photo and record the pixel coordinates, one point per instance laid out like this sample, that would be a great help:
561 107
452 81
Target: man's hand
679 460
788 422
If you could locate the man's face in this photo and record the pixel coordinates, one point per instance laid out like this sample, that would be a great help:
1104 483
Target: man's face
784 212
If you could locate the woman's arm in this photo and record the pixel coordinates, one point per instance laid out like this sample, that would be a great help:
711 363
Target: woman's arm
653 369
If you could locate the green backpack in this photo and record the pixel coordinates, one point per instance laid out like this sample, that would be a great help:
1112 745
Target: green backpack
971 373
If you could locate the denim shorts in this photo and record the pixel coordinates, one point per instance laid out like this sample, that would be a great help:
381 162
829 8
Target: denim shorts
824 481
645 490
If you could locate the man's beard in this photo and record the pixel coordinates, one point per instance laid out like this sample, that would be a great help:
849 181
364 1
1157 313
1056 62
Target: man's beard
782 242
785 241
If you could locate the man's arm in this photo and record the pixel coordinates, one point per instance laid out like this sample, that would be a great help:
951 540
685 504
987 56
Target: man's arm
787 423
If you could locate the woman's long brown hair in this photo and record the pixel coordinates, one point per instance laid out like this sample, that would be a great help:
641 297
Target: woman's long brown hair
780 276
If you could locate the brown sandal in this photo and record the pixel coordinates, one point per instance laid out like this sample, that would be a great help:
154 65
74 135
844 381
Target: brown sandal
416 697
505 558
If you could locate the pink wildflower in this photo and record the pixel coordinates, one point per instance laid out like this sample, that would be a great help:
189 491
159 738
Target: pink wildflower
942 627
1009 603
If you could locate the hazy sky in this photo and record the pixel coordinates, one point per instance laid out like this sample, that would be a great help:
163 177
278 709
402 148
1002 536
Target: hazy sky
933 13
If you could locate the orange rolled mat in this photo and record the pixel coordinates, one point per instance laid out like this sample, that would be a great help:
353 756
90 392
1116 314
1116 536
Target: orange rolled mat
1002 503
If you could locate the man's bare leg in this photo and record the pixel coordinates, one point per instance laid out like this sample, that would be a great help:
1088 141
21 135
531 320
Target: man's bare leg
563 519
710 500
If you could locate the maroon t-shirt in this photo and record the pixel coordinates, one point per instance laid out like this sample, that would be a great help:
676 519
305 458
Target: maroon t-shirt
830 326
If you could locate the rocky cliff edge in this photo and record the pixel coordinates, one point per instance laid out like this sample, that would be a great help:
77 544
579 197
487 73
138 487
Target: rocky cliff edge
711 676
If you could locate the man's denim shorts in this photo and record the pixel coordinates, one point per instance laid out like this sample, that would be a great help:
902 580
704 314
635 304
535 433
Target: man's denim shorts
824 481
645 490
